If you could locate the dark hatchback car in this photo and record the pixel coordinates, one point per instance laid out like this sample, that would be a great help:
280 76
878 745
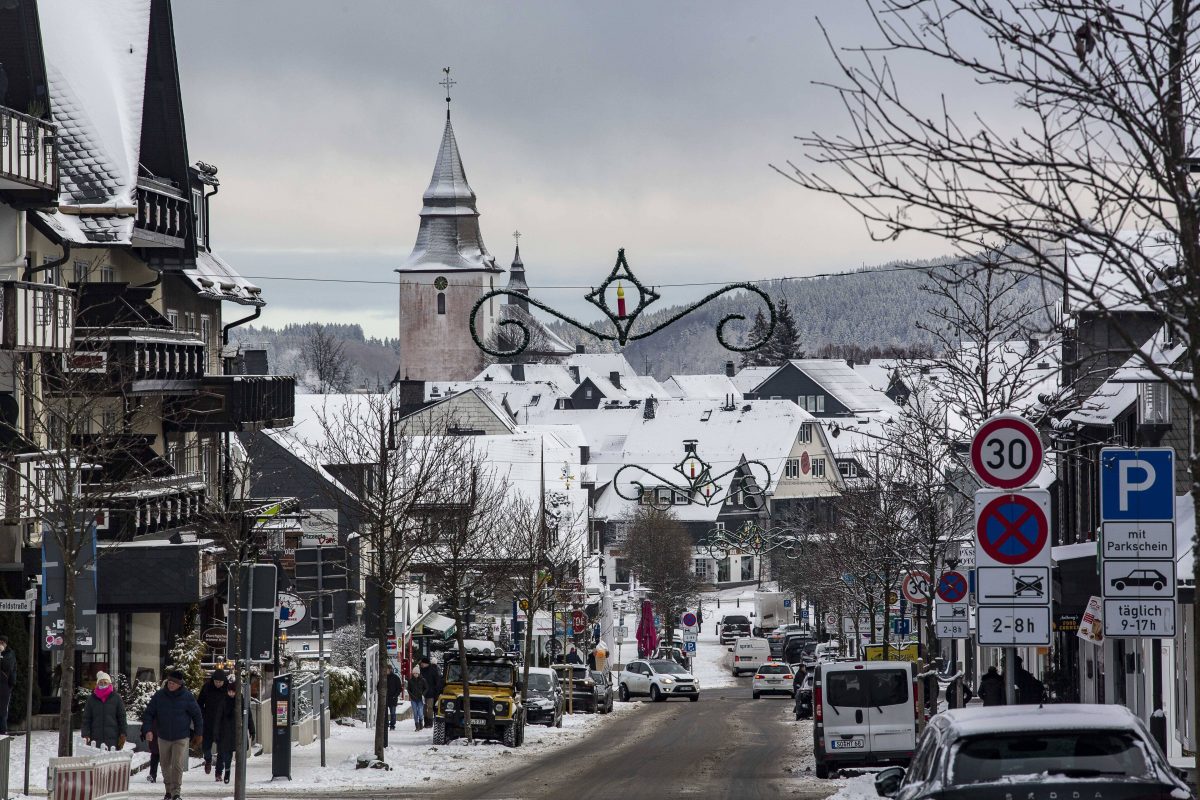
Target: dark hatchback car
1035 753
733 626
582 684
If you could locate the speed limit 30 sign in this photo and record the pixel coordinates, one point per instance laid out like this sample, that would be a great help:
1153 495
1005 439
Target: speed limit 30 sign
915 587
1006 452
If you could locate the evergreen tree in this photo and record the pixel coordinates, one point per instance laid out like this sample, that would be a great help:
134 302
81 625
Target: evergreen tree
754 358
785 341
187 655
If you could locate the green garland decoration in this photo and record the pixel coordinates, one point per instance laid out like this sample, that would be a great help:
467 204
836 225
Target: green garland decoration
622 321
700 485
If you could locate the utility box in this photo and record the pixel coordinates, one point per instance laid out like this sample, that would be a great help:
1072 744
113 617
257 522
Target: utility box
282 714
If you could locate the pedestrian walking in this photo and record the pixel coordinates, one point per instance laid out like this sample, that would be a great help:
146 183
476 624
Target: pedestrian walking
1029 689
393 696
991 688
573 657
152 747
104 716
211 702
416 698
226 733
8 679
433 687
179 722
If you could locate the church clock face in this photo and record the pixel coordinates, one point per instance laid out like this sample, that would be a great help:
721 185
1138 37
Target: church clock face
440 283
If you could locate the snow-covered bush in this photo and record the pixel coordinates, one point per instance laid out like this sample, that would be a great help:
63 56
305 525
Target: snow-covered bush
349 647
346 688
137 697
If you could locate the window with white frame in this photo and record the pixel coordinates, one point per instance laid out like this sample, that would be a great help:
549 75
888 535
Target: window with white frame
818 468
849 469
82 270
173 318
791 468
1154 403
189 321
107 275
700 567
806 433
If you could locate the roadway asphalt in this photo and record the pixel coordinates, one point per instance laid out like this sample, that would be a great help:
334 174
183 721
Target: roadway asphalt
726 745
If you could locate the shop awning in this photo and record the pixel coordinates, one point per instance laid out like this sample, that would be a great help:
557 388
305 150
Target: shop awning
432 622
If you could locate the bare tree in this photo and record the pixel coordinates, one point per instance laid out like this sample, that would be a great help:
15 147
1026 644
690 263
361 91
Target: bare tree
659 550
1090 146
469 513
387 471
323 357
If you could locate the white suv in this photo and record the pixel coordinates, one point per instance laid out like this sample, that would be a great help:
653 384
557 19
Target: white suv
659 679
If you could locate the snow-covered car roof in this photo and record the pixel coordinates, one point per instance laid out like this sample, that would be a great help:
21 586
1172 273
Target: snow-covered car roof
1023 719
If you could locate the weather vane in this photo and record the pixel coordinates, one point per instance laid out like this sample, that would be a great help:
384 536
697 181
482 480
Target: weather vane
517 237
447 82
621 318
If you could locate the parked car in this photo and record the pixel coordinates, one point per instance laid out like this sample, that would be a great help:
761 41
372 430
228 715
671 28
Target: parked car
775 638
803 707
658 679
544 699
674 652
732 626
604 691
1065 751
747 653
864 714
580 688
774 677
799 650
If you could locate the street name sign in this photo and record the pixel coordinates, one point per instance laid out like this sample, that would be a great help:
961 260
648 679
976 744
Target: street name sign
1006 451
16 605
1137 523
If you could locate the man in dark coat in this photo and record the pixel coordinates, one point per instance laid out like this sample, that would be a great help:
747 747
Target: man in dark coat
433 687
1029 689
211 702
226 731
8 679
393 696
991 688
173 708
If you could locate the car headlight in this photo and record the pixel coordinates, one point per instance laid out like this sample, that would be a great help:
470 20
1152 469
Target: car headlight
668 680
449 706
500 708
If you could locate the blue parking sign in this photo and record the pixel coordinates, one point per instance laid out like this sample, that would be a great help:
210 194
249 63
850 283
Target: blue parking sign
804 613
1137 483
689 647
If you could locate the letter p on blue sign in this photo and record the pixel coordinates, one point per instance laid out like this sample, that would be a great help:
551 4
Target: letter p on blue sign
1137 483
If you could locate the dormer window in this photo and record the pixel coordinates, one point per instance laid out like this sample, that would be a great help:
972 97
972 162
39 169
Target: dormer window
1154 403
805 436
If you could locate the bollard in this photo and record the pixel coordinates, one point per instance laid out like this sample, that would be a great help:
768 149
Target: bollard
5 757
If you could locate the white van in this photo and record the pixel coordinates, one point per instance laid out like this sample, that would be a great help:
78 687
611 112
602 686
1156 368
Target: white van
864 714
748 652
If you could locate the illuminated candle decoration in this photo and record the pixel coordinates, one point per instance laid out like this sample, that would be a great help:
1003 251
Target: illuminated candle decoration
620 301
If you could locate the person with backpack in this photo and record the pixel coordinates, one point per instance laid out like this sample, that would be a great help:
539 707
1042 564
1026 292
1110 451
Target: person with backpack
8 679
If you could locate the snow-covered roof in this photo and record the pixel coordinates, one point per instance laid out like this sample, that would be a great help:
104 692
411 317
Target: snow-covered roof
96 65
602 363
1114 397
543 341
878 375
307 436
215 279
978 720
702 387
845 385
1119 278
449 238
749 378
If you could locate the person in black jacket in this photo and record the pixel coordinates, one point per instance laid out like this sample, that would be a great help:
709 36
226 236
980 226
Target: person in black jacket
8 679
211 702
433 687
991 688
104 716
393 696
173 708
416 697
226 731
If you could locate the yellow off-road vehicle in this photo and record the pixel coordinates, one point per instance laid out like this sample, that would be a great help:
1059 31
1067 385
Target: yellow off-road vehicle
496 711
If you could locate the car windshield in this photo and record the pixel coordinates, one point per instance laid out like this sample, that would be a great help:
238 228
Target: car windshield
1076 754
867 688
539 682
667 668
736 620
774 669
581 674
598 677
479 672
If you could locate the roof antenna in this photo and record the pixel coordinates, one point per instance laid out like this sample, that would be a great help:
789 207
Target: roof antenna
447 82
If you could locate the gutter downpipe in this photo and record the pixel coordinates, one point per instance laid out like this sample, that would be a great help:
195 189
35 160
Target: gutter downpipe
31 270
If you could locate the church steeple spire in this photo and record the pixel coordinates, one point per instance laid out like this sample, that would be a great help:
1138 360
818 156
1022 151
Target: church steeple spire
516 277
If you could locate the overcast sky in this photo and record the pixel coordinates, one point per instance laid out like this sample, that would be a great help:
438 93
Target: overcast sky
588 126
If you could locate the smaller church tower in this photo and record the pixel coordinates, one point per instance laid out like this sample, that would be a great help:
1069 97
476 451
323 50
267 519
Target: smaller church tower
446 274
516 280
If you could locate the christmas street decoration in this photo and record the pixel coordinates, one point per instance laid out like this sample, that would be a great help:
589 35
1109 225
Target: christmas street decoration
622 318
699 485
751 539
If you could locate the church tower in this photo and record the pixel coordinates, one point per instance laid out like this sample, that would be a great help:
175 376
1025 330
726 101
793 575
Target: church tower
447 272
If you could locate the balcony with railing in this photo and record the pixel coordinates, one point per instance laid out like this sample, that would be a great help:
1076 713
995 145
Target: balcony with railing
36 317
235 403
162 214
27 152
134 361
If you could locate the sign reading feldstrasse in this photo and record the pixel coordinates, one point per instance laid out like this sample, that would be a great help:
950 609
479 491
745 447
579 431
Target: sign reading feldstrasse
16 605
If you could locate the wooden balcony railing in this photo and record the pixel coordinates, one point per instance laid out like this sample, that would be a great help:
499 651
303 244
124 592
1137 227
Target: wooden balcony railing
235 403
27 152
137 360
36 317
162 215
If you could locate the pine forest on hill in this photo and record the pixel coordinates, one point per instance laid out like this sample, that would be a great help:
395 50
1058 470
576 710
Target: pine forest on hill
869 313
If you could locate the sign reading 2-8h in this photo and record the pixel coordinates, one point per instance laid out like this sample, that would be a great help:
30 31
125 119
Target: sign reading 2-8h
1137 514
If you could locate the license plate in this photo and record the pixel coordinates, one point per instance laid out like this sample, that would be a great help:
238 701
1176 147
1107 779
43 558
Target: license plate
479 722
847 744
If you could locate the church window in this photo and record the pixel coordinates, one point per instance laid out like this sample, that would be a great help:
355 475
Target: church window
441 301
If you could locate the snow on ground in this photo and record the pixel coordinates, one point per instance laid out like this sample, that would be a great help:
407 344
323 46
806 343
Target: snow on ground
411 754
708 665
45 747
859 787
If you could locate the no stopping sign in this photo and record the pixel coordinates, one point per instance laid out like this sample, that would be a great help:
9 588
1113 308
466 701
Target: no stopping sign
1006 451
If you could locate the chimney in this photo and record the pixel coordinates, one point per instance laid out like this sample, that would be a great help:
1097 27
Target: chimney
254 362
649 409
574 373
412 396
729 373
518 372
585 454
614 378
579 350
1033 345
850 363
